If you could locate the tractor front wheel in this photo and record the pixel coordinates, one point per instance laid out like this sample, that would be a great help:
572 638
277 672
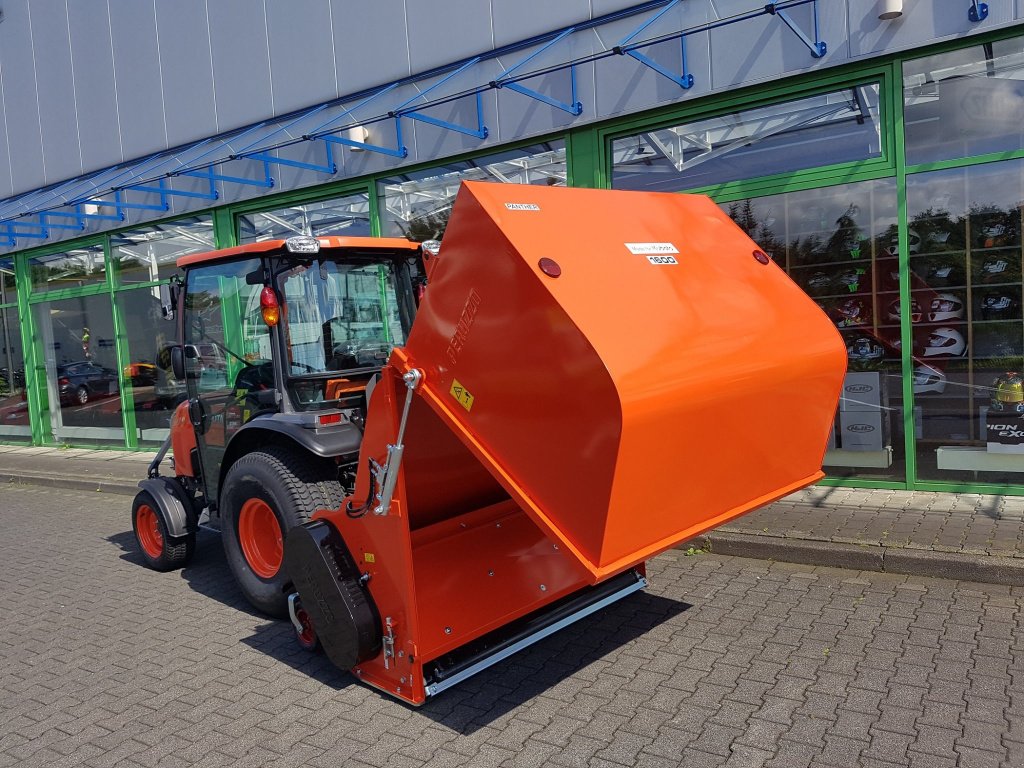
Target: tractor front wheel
265 494
160 551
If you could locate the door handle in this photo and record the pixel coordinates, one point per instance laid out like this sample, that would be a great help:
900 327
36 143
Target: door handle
197 415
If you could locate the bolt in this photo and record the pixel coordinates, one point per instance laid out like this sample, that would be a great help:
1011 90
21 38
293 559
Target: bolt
401 654
447 630
402 680
543 588
490 573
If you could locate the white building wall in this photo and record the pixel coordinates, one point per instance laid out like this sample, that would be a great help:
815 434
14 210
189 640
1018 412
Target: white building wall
86 84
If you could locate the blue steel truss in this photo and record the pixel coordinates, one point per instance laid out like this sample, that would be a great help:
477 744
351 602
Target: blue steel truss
30 215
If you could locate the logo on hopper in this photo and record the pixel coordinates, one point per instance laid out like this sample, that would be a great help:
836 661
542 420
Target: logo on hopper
651 249
856 389
458 339
522 206
860 428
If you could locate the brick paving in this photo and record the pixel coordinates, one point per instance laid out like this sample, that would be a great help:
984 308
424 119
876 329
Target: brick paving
723 661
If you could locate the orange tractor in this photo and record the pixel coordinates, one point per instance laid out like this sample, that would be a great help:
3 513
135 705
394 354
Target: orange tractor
431 457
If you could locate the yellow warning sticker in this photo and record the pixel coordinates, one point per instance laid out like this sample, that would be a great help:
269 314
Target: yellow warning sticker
369 557
461 394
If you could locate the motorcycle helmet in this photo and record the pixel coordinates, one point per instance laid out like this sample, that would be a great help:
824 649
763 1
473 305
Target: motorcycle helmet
929 380
944 271
946 306
819 282
865 349
1008 393
913 244
994 269
852 312
997 305
850 278
996 235
945 342
893 312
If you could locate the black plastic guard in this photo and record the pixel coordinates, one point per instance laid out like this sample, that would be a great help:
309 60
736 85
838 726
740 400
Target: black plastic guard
327 580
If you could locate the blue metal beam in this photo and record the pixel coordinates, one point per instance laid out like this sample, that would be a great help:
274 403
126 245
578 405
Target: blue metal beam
121 206
164 191
573 107
817 47
267 182
978 11
479 132
330 167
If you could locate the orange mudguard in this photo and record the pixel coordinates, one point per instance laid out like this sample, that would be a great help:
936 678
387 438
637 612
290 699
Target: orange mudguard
623 364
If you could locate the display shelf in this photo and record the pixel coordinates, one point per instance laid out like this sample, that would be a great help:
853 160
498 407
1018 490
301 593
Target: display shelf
975 458
861 459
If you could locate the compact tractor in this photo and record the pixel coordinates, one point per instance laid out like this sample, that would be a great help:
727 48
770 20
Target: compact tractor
429 457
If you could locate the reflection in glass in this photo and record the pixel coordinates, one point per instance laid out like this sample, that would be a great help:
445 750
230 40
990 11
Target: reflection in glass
155 391
150 254
417 204
80 357
14 423
965 261
70 269
836 127
840 245
965 102
348 216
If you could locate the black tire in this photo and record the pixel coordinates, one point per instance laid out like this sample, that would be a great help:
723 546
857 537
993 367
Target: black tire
160 551
82 395
294 484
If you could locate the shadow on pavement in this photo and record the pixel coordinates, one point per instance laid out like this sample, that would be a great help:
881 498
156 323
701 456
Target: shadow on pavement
470 705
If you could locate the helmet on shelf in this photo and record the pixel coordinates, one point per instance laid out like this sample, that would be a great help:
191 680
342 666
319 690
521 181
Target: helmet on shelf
946 306
928 379
913 244
851 278
994 269
819 282
944 271
893 311
865 349
1008 393
852 312
996 305
945 342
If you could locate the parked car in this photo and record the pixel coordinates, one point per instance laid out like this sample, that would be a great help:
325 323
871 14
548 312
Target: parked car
82 381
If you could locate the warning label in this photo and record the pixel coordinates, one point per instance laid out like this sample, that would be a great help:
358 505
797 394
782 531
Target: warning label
461 394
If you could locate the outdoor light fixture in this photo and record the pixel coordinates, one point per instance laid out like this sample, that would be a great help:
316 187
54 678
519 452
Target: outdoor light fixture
356 133
890 9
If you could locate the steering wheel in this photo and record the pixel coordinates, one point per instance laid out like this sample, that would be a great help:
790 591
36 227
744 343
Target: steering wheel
303 368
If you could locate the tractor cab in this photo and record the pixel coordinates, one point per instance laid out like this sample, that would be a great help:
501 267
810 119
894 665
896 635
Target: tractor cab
280 342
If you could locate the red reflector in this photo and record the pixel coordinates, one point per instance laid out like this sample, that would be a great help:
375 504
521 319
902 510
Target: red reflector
762 257
330 418
267 297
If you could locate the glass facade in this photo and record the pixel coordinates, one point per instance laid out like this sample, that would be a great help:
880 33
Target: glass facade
416 205
922 279
348 216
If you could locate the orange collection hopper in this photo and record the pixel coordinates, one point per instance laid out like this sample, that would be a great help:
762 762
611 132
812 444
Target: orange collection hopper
622 363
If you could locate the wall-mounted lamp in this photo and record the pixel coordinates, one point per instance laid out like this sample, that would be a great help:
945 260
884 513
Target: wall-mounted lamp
356 133
890 9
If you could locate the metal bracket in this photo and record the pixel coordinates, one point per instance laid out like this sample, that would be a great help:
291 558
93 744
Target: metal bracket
163 190
121 206
817 47
978 11
80 216
388 642
479 132
267 182
330 167
399 150
685 80
387 476
573 107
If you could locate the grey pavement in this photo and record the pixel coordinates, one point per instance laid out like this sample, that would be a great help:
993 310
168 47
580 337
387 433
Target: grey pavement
954 535
723 661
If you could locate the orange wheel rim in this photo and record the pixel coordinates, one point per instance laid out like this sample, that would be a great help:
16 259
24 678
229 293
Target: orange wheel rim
261 538
148 528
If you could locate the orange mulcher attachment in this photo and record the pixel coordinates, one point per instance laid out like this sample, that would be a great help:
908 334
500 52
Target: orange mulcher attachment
593 377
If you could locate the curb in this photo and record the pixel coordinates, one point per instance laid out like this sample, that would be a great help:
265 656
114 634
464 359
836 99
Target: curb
119 487
989 569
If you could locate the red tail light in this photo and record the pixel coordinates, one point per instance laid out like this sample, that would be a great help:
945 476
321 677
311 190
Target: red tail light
63 381
268 306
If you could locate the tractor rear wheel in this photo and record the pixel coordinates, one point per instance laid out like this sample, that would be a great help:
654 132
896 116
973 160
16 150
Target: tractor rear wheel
266 493
160 551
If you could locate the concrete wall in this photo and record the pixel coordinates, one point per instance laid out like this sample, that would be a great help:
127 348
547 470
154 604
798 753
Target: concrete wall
89 83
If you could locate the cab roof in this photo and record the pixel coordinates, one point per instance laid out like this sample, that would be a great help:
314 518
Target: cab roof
264 246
